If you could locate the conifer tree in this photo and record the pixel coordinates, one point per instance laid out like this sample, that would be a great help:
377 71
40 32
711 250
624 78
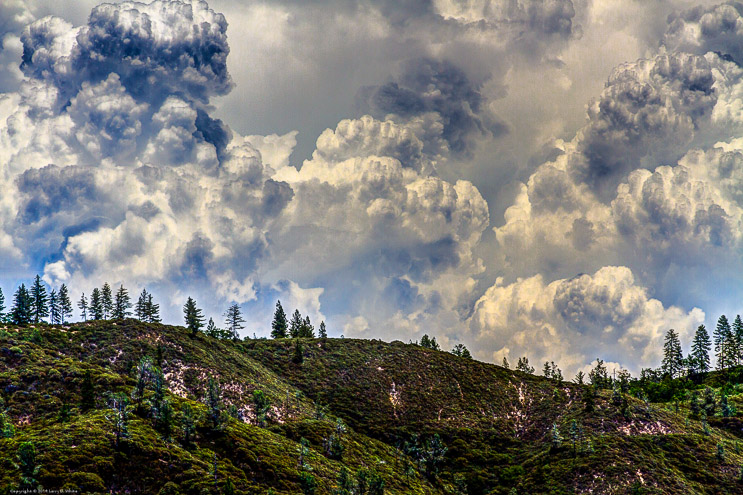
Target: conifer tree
211 329
700 348
65 305
107 301
672 356
722 336
738 338
505 363
523 365
193 316
234 320
307 330
214 403
140 310
295 325
322 332
461 351
122 304
83 305
22 313
279 324
96 304
39 300
3 316
188 423
54 310
152 310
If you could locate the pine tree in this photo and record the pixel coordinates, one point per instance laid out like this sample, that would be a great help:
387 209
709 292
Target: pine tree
322 332
54 309
672 356
523 365
96 304
107 301
39 300
234 320
505 363
211 329
700 348
461 351
122 304
279 324
193 316
65 305
21 314
738 338
83 305
214 403
152 310
307 330
140 310
295 326
3 316
547 369
722 336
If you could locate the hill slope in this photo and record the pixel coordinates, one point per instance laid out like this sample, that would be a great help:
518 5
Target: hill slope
421 421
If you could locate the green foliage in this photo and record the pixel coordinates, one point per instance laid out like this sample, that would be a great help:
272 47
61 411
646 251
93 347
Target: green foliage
87 392
193 316
461 351
298 356
22 313
555 436
39 301
523 365
122 304
234 320
334 442
96 304
429 342
214 404
279 325
27 465
307 483
598 376
262 405
672 356
107 301
118 417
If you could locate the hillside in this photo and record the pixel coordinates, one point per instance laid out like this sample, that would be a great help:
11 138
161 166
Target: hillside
419 420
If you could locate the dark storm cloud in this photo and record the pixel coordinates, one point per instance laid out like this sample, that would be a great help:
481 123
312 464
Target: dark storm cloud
56 203
708 29
428 85
649 110
157 50
49 190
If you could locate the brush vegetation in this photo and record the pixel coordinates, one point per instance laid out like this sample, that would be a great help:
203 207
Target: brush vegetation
127 406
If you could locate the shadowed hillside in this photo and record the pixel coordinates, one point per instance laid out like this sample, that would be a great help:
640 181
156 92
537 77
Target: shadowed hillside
325 415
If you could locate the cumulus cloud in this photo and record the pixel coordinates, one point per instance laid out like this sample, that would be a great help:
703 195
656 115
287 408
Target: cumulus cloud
116 170
397 241
428 85
571 321
703 29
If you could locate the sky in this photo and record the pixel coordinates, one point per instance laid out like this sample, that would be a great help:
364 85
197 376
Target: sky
556 179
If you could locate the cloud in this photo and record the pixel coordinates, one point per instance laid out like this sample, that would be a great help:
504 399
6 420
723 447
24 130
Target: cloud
702 29
648 111
571 321
428 85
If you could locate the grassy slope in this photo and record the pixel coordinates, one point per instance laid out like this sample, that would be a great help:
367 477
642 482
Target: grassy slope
495 422
38 376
